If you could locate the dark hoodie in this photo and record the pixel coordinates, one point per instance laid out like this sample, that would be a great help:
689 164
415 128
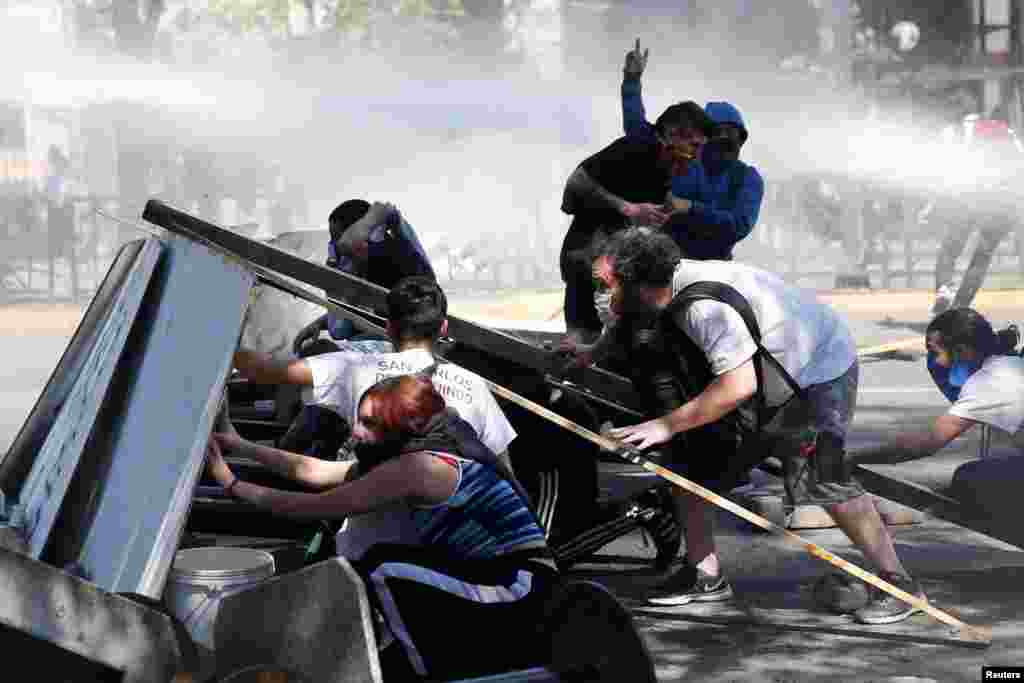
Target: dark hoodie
725 193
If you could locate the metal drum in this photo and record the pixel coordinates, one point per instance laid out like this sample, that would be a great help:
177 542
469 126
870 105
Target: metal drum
202 577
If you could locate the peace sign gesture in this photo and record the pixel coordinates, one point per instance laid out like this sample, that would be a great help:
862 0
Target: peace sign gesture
636 62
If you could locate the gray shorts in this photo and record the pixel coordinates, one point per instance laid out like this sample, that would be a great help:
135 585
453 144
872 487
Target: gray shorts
815 467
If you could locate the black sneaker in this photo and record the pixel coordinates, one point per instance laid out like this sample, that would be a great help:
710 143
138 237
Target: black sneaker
658 519
883 608
691 584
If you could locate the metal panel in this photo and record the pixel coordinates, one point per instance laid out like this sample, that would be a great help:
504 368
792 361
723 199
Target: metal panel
48 480
60 609
368 295
154 448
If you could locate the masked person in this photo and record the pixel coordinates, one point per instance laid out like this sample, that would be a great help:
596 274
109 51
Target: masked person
714 204
373 242
475 555
981 375
727 378
417 317
624 184
563 489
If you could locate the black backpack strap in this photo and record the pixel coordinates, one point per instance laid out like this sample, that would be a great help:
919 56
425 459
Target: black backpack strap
723 293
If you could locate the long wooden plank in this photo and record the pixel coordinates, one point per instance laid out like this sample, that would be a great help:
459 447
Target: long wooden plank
367 295
967 631
913 343
980 634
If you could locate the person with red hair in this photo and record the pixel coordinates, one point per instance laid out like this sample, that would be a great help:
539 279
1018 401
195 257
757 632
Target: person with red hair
480 558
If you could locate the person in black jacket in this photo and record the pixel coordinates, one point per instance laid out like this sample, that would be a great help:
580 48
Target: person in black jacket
624 184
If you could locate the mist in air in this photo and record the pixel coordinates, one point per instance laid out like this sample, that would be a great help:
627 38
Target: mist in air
470 148
472 139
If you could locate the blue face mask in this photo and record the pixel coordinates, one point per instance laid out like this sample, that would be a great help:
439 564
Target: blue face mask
342 262
940 375
961 371
717 151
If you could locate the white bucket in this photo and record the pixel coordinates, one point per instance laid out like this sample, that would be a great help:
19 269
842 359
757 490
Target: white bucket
202 577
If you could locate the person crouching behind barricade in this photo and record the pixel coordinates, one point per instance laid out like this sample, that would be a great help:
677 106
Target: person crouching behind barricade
481 561
981 374
788 393
373 242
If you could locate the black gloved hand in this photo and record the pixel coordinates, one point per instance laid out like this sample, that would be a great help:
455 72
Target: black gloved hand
309 333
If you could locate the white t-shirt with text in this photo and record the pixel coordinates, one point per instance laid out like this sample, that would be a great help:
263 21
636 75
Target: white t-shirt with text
341 378
339 381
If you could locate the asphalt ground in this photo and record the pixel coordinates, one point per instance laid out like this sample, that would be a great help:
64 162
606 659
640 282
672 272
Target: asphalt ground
973 576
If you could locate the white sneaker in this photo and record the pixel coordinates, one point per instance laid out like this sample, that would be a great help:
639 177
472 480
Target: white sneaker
943 299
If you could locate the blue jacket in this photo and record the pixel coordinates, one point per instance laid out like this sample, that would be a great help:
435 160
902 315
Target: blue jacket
726 196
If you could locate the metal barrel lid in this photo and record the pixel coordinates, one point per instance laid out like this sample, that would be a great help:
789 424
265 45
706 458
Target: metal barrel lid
222 563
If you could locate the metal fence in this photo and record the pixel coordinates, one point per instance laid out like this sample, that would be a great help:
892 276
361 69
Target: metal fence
40 260
875 240
855 247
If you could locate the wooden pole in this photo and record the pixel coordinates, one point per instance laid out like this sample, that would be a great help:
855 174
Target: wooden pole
915 343
967 632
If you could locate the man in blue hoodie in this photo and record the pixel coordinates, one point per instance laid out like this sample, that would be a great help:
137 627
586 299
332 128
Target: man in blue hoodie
716 202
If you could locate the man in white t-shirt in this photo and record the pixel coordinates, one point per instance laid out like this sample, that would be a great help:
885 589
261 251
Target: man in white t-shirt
978 372
417 310
644 273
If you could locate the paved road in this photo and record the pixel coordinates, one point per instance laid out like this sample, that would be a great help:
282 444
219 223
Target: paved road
969 573
28 364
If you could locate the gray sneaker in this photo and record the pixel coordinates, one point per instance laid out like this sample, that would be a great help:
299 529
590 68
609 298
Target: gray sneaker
691 584
883 608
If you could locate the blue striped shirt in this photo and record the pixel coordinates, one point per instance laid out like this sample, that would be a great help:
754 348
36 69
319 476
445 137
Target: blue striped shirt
484 518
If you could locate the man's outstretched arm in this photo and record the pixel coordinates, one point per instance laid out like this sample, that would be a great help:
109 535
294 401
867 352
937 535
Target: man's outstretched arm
261 368
634 118
721 397
916 445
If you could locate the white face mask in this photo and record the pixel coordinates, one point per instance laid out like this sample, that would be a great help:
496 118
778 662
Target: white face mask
603 303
